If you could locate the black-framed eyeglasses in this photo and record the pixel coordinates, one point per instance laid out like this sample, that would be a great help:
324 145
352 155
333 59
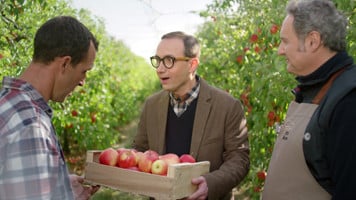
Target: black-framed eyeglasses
168 61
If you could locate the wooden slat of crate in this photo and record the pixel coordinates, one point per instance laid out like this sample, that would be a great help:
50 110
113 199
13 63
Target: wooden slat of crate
183 173
176 185
128 180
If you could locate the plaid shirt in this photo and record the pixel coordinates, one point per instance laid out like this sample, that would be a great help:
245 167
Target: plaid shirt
32 164
180 106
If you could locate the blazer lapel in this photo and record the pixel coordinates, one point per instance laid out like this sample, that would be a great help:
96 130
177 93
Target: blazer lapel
162 112
201 117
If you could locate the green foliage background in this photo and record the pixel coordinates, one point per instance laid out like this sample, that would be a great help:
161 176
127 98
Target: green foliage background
114 89
239 55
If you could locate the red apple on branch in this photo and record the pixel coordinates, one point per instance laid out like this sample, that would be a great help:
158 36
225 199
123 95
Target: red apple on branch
108 156
261 175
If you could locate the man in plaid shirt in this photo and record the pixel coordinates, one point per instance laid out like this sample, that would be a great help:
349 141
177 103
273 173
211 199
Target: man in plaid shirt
32 164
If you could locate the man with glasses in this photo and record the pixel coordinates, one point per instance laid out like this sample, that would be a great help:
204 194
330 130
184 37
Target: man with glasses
191 117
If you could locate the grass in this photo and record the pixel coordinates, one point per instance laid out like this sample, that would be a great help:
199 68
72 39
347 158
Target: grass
106 193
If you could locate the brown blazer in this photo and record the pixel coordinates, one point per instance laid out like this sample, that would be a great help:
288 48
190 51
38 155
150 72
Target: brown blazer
219 136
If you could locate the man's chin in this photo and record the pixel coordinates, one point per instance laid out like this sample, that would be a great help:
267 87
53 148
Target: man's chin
290 69
168 89
61 99
165 87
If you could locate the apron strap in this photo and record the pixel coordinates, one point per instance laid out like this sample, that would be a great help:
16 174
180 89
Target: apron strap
326 87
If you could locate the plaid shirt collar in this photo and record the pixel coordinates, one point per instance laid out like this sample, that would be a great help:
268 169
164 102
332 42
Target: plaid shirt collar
180 106
21 85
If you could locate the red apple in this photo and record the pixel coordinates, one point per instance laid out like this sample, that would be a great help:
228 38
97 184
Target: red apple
246 49
240 58
151 153
261 175
257 189
121 149
134 150
146 160
108 156
74 113
187 158
93 117
257 49
253 38
145 164
138 155
127 158
170 158
159 167
274 29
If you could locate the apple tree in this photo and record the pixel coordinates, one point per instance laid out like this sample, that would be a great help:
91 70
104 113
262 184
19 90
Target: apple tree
114 89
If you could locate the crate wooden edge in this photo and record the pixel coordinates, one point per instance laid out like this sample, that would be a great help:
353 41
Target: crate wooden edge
183 173
176 185
127 180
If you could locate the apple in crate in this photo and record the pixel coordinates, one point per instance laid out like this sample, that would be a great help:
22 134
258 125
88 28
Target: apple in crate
121 149
170 158
187 158
159 167
108 156
127 158
138 155
151 153
146 160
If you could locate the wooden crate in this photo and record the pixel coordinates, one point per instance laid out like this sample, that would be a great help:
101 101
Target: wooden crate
176 185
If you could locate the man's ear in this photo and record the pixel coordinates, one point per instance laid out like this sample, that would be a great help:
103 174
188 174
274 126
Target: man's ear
65 62
314 40
194 63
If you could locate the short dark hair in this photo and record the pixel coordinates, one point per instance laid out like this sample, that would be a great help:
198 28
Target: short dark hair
191 44
62 36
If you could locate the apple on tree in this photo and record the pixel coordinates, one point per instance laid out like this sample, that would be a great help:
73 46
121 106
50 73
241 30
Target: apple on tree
108 156
261 175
